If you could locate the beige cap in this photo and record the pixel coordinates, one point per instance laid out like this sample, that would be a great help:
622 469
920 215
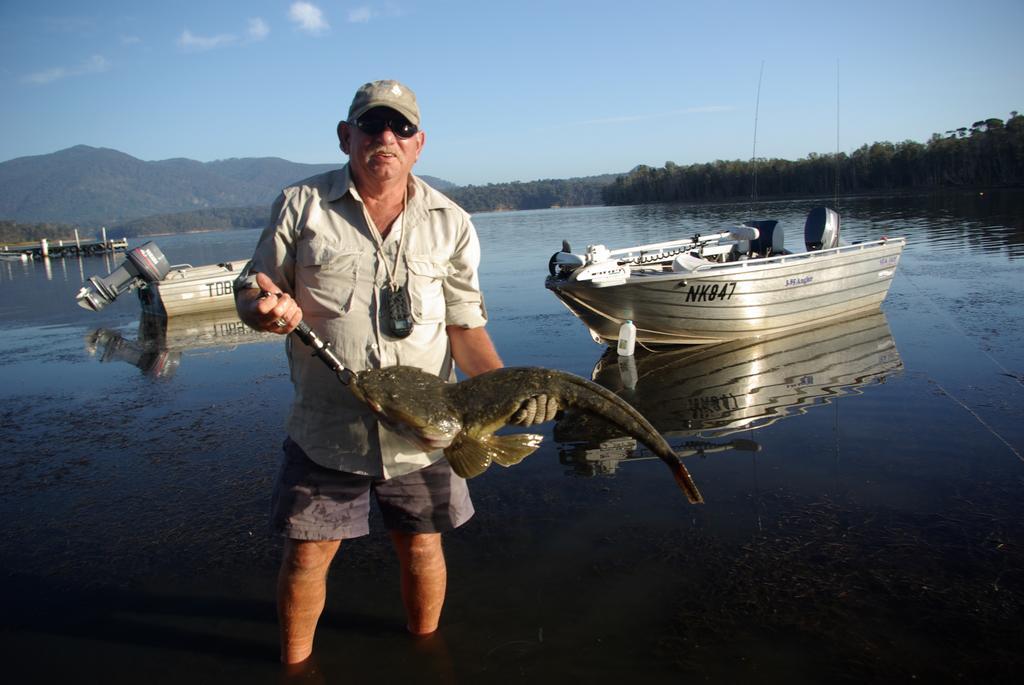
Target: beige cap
385 94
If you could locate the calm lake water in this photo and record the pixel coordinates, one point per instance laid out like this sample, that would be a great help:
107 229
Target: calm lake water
864 483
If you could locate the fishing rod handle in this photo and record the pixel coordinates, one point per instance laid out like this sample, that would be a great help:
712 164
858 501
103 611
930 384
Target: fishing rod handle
321 348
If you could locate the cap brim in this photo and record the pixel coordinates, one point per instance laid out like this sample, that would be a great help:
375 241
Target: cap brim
410 115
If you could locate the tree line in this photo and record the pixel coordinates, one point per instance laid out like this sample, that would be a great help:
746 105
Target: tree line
12 232
219 219
573 192
543 194
988 153
222 219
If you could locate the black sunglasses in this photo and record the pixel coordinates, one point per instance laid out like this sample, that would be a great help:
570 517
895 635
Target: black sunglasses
374 125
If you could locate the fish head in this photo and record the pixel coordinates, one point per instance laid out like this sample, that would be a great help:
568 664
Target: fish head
410 402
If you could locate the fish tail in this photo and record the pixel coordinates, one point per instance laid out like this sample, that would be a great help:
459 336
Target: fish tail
630 420
685 482
509 450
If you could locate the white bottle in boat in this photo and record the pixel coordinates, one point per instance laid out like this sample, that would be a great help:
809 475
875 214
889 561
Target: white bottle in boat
627 338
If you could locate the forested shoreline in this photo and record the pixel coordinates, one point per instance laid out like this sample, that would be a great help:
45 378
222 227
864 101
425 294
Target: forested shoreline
543 194
220 219
987 154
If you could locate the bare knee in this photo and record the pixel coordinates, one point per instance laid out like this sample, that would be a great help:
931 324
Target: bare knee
308 557
419 552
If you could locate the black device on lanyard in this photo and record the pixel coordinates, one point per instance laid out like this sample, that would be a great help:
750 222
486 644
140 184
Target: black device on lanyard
396 312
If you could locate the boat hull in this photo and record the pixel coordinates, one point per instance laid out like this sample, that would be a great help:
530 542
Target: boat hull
192 290
727 301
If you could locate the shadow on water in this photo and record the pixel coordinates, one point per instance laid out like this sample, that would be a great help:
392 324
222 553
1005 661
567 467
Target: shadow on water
123 617
110 635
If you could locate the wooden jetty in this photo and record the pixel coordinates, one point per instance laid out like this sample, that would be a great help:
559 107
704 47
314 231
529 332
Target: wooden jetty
66 248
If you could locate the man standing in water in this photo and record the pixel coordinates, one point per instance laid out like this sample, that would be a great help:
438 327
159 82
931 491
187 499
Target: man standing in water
385 267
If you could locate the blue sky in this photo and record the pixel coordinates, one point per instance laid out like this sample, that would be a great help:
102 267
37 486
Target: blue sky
508 91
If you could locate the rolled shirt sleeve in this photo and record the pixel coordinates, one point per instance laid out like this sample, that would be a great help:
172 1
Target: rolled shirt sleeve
463 299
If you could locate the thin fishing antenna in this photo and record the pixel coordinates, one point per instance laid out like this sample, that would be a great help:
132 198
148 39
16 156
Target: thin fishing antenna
837 134
753 154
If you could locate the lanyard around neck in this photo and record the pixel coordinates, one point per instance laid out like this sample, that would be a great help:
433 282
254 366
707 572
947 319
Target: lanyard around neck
379 239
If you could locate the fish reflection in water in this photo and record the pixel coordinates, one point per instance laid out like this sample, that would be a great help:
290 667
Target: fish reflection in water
161 341
706 393
462 418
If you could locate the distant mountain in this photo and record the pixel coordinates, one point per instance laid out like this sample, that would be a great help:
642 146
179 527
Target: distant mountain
268 171
91 186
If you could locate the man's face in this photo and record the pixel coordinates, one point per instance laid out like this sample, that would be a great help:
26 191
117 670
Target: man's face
377 152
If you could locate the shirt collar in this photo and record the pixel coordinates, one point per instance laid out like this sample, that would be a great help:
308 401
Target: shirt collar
341 184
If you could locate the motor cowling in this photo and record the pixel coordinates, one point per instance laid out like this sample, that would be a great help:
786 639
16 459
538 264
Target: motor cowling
564 260
144 264
821 231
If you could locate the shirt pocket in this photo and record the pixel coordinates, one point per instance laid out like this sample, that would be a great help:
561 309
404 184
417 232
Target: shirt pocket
326 273
426 291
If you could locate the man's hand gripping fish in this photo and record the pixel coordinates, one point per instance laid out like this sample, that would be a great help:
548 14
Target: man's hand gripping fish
461 418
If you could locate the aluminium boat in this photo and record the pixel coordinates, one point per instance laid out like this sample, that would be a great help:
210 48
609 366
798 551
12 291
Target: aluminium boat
188 289
736 284
164 289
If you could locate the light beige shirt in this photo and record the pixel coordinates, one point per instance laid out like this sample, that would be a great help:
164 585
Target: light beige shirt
319 248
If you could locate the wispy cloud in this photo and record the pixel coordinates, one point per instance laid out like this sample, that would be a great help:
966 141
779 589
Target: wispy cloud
130 40
364 14
258 29
704 109
192 42
360 15
308 17
93 65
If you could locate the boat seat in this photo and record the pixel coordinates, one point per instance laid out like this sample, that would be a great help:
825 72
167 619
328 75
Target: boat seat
742 235
685 263
769 241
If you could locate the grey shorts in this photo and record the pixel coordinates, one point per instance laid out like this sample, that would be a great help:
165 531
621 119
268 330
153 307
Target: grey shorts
312 502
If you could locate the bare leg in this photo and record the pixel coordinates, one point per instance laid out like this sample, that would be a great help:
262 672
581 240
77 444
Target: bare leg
301 594
424 579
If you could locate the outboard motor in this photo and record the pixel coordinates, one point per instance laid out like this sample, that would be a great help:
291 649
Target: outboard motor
565 261
821 232
144 264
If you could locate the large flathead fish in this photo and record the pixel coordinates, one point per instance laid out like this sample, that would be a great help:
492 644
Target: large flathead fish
461 418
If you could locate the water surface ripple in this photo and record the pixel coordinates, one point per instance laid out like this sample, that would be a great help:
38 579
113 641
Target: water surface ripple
864 483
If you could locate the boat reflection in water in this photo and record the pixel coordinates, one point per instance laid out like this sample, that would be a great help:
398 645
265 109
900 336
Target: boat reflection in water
161 341
699 395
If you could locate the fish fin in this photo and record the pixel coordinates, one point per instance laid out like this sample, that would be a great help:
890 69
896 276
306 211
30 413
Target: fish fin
468 456
508 450
471 456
